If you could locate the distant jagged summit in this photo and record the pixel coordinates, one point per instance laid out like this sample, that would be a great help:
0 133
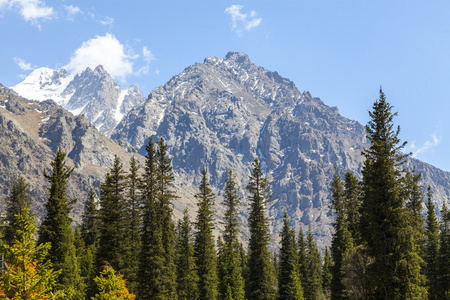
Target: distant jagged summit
92 93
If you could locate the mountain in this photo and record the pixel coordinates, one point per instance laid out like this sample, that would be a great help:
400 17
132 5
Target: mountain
219 114
31 132
92 93
222 113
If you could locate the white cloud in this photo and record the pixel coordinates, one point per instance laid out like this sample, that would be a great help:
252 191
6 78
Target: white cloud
72 11
111 54
242 21
31 10
107 21
428 145
23 65
147 54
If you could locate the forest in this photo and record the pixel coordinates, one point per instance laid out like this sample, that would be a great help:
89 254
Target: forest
385 245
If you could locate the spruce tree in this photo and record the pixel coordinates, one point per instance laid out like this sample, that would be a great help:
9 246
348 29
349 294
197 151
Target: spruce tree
352 200
90 223
19 197
165 197
313 282
205 253
56 229
327 273
133 213
302 247
230 270
151 261
289 285
444 255
187 279
342 240
113 238
432 249
261 274
386 229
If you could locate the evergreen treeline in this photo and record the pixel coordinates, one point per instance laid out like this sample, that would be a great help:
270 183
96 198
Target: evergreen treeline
128 246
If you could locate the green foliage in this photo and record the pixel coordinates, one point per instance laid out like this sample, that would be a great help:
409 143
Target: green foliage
111 286
56 228
289 285
327 274
261 283
342 240
19 197
187 278
205 253
114 241
387 230
444 254
90 223
28 275
231 283
432 249
313 266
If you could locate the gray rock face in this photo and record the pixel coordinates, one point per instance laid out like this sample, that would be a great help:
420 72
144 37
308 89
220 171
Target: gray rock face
223 113
92 93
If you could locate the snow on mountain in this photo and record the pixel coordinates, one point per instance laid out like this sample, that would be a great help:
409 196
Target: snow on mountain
45 83
92 93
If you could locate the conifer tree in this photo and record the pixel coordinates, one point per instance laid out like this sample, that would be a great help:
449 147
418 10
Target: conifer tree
342 240
289 285
90 223
114 241
165 197
261 274
327 274
151 261
432 249
205 253
313 283
302 247
28 275
187 278
352 202
56 227
444 255
19 197
390 237
230 270
133 213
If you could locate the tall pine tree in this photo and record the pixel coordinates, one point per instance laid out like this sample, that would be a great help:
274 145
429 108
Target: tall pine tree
386 228
261 274
432 249
114 241
289 284
342 240
205 253
187 279
165 197
313 266
151 261
56 228
230 270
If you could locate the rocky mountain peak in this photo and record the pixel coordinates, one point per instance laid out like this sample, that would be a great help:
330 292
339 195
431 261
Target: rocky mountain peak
92 93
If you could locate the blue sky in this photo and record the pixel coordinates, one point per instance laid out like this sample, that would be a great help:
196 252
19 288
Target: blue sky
340 51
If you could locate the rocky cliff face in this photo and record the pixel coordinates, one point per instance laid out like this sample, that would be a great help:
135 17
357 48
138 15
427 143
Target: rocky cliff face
92 93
